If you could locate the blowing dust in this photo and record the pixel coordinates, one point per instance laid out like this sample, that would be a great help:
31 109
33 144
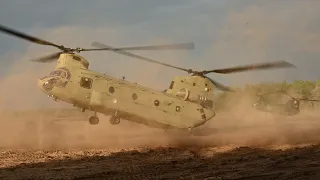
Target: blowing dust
237 125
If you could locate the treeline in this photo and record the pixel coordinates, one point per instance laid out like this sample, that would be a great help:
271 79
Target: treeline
299 89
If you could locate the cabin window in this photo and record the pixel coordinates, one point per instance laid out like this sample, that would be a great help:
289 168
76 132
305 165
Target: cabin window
134 96
156 102
86 82
178 108
86 65
171 85
76 58
111 89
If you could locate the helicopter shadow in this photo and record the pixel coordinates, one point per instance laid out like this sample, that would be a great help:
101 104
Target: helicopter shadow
204 132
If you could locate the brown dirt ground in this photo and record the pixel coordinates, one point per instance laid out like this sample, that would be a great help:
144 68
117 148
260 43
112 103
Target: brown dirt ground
258 146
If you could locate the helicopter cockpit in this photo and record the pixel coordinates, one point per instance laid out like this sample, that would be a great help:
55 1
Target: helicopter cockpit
58 73
58 77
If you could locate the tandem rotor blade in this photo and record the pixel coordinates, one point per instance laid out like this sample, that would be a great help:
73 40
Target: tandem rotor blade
315 100
49 58
271 65
137 56
178 46
220 86
27 37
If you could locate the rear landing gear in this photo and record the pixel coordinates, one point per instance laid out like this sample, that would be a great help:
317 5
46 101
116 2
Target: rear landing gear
94 120
115 119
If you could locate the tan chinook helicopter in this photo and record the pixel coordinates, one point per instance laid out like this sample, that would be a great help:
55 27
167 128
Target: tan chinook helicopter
186 104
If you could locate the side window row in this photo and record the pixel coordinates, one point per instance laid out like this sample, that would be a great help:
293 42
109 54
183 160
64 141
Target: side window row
157 103
87 83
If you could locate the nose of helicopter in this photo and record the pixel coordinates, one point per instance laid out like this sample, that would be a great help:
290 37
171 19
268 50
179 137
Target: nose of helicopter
46 84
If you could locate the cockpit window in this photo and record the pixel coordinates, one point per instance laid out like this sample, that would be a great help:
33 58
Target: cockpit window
76 58
171 85
56 73
63 74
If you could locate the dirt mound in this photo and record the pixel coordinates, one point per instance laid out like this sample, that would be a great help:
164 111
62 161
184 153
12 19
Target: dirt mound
164 163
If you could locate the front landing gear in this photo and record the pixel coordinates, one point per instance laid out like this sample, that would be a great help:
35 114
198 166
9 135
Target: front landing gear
115 119
94 120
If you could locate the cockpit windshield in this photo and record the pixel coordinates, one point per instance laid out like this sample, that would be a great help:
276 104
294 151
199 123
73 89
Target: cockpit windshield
59 73
56 72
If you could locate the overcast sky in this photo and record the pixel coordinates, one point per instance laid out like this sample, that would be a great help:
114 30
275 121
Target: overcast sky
225 33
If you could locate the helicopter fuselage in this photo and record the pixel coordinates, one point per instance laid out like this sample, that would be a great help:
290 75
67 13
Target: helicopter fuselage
187 103
278 103
73 83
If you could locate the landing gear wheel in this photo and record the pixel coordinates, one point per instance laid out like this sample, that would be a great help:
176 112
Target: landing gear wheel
94 120
114 120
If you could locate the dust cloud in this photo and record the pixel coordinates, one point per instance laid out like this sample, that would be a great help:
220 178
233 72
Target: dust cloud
239 126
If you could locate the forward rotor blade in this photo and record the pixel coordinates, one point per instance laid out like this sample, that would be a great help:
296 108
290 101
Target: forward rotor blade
26 37
220 86
49 58
139 57
272 65
178 46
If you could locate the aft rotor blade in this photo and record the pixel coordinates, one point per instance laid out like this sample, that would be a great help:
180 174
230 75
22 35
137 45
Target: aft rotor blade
49 58
178 46
272 65
315 100
138 57
220 86
27 37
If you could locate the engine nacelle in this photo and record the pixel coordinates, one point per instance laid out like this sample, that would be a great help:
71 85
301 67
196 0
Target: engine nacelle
185 94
